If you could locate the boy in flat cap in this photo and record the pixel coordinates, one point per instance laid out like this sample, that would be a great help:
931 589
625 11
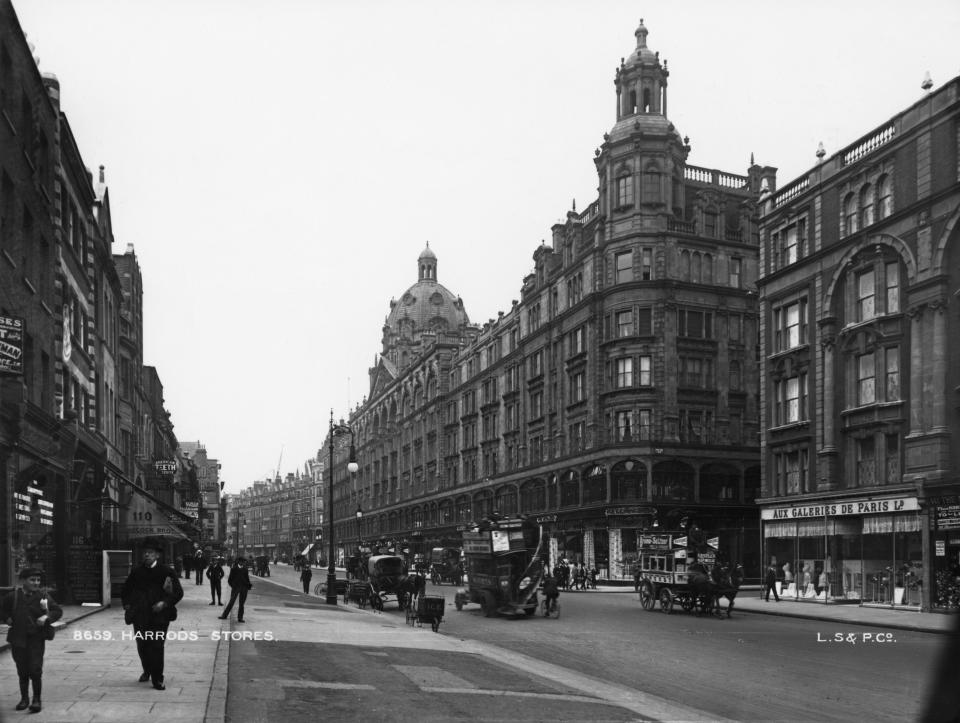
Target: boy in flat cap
149 596
28 611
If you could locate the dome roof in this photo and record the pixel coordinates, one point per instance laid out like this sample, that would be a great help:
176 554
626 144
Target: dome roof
642 53
427 306
650 122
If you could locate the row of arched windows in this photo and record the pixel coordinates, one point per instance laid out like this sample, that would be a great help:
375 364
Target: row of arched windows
671 481
868 205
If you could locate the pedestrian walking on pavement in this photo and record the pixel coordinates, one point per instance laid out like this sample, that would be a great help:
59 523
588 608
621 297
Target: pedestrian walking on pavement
199 564
215 576
149 598
29 611
187 565
305 577
240 585
770 582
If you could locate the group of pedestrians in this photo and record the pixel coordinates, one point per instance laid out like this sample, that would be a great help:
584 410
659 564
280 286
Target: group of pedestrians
149 597
571 576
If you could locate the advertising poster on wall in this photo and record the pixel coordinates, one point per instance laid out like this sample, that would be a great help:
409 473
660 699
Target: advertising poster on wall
11 345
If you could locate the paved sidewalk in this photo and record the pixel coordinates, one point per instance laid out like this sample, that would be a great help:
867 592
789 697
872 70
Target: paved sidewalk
91 671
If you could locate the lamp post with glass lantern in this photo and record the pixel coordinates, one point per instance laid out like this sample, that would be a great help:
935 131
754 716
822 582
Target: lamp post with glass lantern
359 532
352 467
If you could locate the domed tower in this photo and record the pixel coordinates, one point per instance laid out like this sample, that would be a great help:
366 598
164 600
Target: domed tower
640 163
423 313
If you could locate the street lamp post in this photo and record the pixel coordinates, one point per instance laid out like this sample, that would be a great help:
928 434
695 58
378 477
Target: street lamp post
359 531
352 467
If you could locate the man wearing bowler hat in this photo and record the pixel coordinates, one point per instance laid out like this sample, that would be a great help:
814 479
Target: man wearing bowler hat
149 596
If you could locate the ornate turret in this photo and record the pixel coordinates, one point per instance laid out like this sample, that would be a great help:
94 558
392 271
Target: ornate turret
641 161
641 80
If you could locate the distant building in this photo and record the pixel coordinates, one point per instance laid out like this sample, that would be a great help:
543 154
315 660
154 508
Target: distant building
619 394
205 499
860 339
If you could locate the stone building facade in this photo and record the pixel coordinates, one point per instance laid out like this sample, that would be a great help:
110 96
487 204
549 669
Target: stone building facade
860 339
73 443
618 394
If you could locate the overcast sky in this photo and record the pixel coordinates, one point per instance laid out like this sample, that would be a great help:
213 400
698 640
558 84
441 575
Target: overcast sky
280 164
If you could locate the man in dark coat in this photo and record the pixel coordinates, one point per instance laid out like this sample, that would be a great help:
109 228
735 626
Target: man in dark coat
215 576
199 564
770 583
149 596
28 610
305 577
239 581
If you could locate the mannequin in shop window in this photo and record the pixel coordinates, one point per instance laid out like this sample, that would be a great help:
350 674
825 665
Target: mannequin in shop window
807 589
788 580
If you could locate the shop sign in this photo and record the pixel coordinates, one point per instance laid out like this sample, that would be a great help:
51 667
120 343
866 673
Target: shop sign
840 508
543 519
11 345
630 510
947 515
165 466
941 548
654 541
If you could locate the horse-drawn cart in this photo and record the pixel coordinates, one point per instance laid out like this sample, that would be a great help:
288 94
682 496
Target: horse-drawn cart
427 609
674 570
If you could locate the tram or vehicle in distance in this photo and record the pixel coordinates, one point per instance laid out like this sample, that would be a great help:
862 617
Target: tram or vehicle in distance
504 559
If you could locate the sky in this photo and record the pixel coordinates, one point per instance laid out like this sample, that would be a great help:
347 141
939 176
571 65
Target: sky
279 165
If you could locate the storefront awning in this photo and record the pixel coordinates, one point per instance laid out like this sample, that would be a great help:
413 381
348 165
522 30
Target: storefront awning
146 516
307 549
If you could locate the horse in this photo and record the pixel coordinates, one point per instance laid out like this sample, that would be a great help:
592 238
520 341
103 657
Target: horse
703 589
728 584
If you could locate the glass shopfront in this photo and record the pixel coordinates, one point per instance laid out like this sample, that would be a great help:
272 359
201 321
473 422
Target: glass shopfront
872 559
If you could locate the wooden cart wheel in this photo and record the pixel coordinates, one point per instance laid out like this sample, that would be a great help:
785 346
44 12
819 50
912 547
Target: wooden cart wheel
648 598
666 600
688 602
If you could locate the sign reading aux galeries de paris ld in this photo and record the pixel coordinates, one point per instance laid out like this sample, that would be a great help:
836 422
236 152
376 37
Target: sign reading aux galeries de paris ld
841 507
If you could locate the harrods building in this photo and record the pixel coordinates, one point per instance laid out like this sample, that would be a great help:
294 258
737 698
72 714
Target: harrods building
618 394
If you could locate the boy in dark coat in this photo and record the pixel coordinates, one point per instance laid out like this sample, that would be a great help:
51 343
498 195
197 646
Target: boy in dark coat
239 581
215 575
28 610
149 595
305 578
